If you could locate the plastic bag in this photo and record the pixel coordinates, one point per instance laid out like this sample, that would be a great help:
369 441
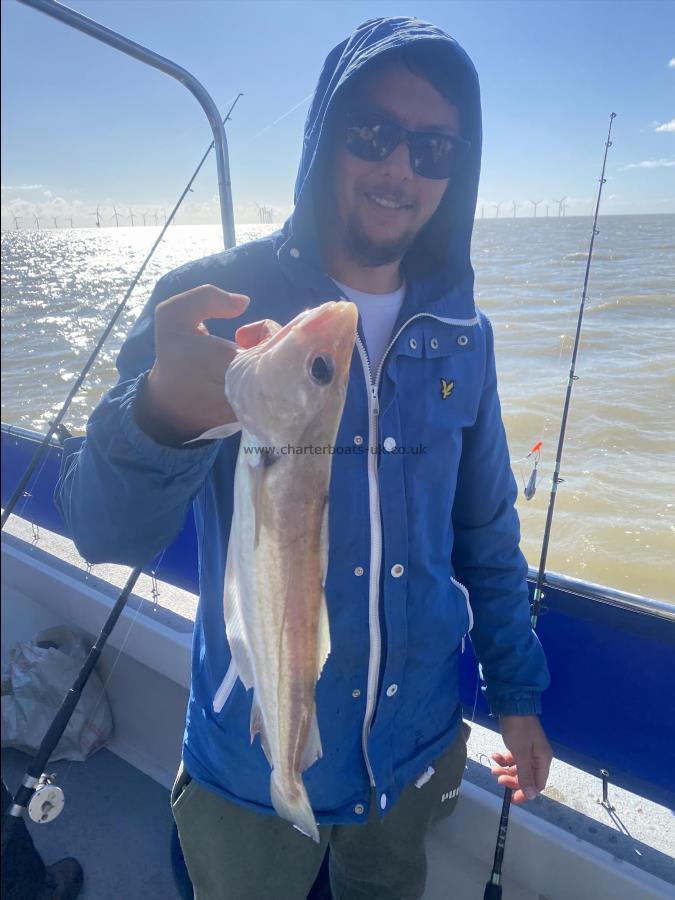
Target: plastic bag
34 683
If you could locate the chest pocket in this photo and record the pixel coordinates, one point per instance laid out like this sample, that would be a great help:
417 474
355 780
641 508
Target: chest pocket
439 385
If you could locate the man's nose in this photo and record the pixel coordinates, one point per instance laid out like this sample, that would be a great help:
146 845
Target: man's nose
397 164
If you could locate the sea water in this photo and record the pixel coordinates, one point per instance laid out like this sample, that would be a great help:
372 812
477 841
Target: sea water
614 522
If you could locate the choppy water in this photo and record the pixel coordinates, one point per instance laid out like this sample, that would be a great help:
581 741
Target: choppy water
615 512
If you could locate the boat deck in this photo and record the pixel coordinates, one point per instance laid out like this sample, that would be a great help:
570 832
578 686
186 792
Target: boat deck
118 824
117 820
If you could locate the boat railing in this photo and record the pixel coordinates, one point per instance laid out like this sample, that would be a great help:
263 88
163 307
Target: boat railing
603 594
149 57
579 587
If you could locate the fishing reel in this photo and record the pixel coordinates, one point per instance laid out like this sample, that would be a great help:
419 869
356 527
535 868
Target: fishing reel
47 802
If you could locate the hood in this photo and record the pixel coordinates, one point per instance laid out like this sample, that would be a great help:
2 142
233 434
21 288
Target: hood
440 258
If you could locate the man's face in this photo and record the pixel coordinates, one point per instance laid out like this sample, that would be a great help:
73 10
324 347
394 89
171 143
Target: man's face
373 234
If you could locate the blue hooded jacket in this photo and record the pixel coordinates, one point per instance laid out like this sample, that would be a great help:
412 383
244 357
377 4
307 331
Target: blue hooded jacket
424 547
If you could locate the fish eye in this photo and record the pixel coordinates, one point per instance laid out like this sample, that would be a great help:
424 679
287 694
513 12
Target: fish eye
321 369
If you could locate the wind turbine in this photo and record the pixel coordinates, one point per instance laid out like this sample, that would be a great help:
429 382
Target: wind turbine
164 214
482 210
497 206
71 222
98 217
535 203
115 216
16 221
514 209
155 217
561 205
37 221
56 224
131 216
143 216
546 208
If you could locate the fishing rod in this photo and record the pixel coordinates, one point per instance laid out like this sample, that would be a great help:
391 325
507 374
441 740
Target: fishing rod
55 425
493 888
37 793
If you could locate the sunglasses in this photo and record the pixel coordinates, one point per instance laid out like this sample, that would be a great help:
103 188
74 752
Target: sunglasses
373 138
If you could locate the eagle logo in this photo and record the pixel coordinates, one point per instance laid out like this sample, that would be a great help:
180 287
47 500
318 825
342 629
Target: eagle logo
446 388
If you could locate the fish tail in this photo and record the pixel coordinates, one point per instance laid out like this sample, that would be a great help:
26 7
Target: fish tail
293 805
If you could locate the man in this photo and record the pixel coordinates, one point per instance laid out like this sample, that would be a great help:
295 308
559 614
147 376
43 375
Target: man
423 533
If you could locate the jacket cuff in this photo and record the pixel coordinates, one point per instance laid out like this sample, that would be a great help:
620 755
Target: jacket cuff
168 459
523 703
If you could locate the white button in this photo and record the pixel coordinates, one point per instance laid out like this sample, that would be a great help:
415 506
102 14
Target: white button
295 253
383 801
356 693
359 808
413 344
358 440
358 570
434 344
397 570
462 340
389 444
391 690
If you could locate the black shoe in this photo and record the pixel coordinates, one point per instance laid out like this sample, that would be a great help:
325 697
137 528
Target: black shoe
63 880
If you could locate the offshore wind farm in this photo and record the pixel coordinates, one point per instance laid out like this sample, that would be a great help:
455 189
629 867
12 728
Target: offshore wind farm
266 214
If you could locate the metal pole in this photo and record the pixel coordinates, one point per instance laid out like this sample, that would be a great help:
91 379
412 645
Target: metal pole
131 48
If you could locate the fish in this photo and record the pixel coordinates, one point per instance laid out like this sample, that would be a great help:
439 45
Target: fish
288 394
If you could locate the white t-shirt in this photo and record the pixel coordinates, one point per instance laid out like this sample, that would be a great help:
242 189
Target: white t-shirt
378 314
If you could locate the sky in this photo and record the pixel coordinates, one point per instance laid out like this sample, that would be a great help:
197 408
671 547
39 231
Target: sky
83 125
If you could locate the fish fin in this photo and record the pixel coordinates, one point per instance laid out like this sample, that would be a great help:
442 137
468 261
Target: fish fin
294 809
258 727
323 643
236 636
220 431
313 749
256 719
256 460
324 542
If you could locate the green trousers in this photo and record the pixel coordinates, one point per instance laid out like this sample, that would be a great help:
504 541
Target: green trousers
233 853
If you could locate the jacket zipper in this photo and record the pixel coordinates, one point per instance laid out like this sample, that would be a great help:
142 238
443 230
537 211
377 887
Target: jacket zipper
375 555
375 529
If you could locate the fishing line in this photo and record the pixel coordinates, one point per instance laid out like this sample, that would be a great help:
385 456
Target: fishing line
237 150
273 124
493 888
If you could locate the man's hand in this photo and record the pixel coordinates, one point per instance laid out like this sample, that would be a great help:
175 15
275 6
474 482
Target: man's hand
525 765
185 391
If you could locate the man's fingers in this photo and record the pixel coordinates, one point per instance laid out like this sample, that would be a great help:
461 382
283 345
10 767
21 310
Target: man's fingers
526 779
186 311
255 332
503 759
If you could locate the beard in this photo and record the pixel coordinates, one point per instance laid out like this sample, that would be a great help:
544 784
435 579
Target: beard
365 251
